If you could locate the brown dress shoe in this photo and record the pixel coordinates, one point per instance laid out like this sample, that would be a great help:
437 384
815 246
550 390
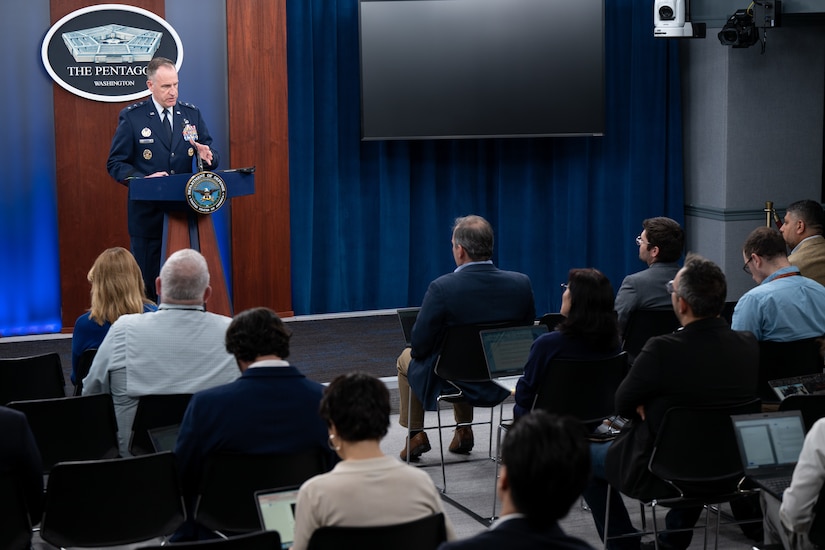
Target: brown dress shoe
419 445
462 442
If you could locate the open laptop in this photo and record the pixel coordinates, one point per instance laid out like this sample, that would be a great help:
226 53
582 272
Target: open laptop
806 384
276 512
164 438
506 351
769 445
407 316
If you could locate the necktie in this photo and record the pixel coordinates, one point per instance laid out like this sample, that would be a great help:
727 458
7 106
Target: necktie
167 122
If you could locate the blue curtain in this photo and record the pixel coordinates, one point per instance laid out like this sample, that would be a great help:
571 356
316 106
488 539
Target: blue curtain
371 221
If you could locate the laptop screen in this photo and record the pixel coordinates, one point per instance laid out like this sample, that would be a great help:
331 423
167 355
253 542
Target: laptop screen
164 438
276 511
769 440
506 349
407 316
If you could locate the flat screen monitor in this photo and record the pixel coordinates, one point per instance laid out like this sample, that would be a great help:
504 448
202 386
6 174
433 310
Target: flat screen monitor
481 68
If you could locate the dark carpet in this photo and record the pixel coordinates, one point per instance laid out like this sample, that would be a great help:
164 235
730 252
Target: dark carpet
322 349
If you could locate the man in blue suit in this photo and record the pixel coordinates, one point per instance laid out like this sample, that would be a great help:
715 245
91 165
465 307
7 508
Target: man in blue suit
545 464
476 292
271 409
151 141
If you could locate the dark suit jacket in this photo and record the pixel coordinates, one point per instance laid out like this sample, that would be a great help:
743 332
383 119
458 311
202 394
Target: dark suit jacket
517 534
706 363
478 293
268 410
20 460
140 147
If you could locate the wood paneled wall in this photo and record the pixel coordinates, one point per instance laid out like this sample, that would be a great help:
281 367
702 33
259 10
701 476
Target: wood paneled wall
92 206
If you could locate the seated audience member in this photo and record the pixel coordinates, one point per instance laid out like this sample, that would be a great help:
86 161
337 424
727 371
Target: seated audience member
271 409
367 488
544 468
704 364
790 521
589 331
785 306
117 289
476 292
20 460
177 349
660 246
802 230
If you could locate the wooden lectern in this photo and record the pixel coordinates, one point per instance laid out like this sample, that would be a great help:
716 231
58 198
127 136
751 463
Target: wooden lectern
185 228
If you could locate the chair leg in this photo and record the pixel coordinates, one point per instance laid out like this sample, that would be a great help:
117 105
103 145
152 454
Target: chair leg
605 534
492 418
409 424
655 525
498 464
441 449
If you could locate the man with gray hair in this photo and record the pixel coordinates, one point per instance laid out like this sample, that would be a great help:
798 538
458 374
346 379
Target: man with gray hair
177 349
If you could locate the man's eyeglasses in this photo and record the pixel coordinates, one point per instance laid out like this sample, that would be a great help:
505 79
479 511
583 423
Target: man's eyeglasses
669 287
564 286
640 242
747 268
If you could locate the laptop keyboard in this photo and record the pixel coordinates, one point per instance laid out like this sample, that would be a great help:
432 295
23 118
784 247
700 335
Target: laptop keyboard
777 485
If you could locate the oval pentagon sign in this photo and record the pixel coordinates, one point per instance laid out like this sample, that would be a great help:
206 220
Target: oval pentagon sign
101 52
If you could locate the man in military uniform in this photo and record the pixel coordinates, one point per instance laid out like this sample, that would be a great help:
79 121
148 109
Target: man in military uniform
151 140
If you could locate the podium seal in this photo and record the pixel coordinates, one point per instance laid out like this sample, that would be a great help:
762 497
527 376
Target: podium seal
205 192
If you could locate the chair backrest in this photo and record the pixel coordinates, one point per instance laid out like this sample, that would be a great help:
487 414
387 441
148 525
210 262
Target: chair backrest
727 312
262 540
226 502
583 389
461 356
422 534
784 360
72 428
812 407
155 411
696 450
112 502
644 324
15 526
83 366
36 377
551 320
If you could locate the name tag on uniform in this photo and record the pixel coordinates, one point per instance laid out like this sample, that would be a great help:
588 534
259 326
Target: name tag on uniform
147 141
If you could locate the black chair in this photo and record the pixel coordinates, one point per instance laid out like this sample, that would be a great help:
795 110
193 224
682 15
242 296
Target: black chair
36 377
551 320
72 428
155 411
583 389
727 312
262 540
696 456
112 502
83 366
812 407
226 503
15 526
785 360
422 534
644 324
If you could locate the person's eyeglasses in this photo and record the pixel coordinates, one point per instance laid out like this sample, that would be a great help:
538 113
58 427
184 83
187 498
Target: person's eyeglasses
640 242
669 287
746 268
564 286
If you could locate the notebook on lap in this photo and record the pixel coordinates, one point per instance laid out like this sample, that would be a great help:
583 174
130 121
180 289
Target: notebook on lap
506 351
806 384
769 446
276 511
407 316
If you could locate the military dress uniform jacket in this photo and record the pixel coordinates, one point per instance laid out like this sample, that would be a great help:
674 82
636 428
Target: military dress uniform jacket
140 147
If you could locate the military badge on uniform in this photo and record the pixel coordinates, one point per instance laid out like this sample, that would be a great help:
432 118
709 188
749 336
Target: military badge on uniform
191 152
146 132
205 192
147 154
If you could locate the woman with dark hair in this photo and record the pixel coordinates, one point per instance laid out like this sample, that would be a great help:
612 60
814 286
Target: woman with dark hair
589 331
367 488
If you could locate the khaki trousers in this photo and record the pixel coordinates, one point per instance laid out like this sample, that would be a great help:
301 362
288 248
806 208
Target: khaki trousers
414 417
